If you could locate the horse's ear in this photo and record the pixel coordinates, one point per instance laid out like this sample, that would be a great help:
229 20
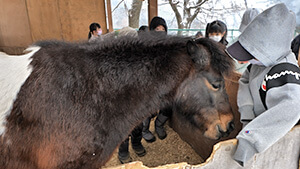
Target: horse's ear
192 47
197 54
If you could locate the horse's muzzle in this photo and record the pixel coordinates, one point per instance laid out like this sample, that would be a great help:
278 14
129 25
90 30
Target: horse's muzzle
230 128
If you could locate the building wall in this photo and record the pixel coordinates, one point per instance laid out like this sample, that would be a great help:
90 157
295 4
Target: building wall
14 26
25 22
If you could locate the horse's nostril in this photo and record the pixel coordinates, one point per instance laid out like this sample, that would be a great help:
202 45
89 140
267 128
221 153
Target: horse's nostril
222 133
226 134
219 129
230 126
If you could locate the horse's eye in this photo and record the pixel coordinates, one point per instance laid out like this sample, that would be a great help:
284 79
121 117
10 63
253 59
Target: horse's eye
216 86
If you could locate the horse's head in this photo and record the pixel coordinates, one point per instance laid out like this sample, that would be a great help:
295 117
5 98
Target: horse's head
201 99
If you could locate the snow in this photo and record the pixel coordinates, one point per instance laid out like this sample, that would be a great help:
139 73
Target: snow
211 10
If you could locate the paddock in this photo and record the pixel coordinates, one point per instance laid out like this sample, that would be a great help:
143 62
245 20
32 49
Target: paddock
175 150
181 155
31 24
282 155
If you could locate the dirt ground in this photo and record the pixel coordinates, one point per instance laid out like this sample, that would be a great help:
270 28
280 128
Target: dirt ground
168 151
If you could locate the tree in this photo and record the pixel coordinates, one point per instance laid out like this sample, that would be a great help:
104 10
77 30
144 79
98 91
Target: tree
190 12
134 13
186 12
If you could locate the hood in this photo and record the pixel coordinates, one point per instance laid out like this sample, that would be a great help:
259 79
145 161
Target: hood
248 16
268 37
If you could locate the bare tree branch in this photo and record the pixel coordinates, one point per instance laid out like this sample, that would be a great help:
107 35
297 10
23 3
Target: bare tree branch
246 4
117 6
192 8
199 3
177 14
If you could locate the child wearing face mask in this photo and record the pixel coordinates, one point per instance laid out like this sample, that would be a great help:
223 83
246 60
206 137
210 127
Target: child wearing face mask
217 31
269 89
159 26
248 16
95 32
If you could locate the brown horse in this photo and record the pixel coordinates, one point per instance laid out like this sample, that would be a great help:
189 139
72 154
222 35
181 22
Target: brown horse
202 145
69 105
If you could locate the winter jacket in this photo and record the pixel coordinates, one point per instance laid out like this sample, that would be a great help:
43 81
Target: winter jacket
269 93
296 45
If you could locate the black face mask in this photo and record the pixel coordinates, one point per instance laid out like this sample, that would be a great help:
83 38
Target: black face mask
159 33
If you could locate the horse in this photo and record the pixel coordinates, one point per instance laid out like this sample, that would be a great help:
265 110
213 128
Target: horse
202 145
69 105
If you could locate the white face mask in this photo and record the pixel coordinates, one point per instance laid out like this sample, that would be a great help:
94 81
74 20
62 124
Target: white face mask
255 62
99 32
215 38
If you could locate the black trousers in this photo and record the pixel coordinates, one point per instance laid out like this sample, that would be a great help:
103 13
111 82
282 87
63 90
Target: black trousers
161 118
136 138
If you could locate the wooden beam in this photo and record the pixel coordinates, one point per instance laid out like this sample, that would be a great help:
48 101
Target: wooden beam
152 9
109 16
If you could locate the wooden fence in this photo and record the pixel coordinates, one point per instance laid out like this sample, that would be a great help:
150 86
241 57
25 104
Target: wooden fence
284 154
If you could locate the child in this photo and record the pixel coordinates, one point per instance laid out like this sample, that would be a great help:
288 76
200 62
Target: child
158 24
296 45
137 146
95 31
158 27
198 35
217 30
136 134
269 90
248 16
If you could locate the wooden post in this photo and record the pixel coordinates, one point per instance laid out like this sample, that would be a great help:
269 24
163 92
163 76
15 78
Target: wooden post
152 9
109 16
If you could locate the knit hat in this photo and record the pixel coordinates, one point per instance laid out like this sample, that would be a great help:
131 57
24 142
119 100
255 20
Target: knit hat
248 16
267 38
156 21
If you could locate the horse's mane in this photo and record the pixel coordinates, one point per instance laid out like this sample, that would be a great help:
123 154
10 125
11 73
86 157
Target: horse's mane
143 41
220 61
